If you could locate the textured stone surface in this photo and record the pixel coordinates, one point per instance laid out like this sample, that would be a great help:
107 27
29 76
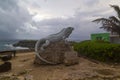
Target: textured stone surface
6 66
54 53
71 58
13 77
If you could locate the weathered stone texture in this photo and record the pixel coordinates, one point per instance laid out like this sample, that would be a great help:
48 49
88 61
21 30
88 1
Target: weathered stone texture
57 52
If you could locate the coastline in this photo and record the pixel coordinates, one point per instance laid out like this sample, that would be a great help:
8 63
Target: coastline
19 46
26 43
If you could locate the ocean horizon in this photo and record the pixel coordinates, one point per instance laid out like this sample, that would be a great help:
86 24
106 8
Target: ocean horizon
8 45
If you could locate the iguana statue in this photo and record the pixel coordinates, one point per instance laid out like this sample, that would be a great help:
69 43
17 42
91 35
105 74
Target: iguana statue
44 42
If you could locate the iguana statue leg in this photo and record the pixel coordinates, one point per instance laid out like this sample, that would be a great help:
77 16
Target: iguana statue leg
47 42
43 45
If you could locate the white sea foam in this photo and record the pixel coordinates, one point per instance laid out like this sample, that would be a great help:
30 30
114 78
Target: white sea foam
7 45
11 47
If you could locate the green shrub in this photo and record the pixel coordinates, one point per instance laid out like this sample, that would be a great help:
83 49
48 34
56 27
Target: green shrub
99 50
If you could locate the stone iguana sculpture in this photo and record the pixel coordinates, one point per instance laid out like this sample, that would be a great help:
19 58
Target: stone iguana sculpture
42 43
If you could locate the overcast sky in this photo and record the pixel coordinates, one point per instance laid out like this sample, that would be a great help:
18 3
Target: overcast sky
34 19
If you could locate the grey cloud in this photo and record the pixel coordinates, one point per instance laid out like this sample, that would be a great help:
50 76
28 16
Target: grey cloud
12 18
90 2
81 21
81 27
6 35
8 4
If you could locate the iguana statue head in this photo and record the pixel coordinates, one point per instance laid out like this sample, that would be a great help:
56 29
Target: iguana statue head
68 31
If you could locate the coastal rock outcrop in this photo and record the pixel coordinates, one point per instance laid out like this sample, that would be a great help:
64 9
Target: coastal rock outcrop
26 43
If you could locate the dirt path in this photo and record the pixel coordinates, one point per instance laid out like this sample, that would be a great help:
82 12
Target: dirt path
86 69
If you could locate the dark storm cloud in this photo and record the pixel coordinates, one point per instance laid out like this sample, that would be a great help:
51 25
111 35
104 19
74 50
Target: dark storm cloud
81 21
12 17
16 20
8 4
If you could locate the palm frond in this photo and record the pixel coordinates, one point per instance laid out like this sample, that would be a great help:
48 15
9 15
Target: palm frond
111 24
108 25
117 9
114 19
107 28
100 20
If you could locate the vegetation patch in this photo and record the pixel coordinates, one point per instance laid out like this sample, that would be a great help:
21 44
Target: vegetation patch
99 50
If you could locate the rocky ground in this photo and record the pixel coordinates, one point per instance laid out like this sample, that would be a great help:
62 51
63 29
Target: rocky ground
24 69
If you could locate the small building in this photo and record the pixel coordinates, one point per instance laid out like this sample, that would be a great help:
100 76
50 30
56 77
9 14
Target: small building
114 38
110 37
100 36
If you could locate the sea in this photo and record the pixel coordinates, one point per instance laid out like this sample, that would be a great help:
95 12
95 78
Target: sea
8 45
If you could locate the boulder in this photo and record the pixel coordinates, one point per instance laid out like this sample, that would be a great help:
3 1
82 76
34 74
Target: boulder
6 57
53 53
70 58
58 52
6 66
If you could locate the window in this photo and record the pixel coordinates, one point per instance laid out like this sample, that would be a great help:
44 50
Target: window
99 38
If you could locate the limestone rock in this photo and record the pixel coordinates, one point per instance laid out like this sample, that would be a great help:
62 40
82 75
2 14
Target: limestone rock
6 57
54 53
6 66
70 58
28 77
59 52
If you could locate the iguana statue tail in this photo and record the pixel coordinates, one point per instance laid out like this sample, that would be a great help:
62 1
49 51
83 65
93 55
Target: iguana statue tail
38 45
